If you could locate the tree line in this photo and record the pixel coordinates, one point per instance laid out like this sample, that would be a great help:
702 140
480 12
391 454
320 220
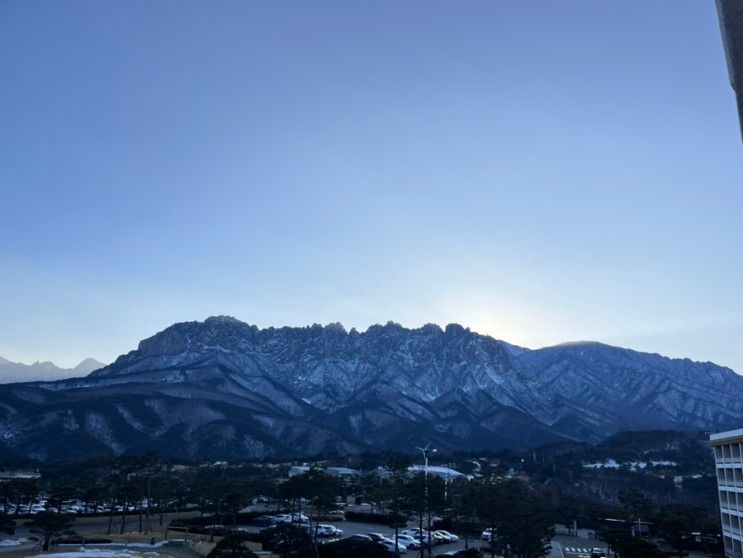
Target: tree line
135 492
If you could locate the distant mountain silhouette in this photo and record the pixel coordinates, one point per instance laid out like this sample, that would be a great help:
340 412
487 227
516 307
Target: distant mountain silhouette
44 371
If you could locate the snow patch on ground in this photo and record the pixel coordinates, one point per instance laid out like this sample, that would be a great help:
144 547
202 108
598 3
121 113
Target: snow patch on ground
97 426
129 417
633 465
12 542
608 464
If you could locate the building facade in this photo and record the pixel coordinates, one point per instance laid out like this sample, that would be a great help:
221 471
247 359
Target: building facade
730 13
728 448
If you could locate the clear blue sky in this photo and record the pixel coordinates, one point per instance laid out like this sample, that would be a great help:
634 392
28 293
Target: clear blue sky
540 171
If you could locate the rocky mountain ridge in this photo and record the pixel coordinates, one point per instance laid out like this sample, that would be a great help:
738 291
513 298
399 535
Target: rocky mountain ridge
225 388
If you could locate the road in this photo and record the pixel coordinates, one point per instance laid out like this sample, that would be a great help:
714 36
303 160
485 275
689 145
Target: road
99 524
564 546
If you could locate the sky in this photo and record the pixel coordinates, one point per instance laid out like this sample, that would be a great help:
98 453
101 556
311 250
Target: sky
538 171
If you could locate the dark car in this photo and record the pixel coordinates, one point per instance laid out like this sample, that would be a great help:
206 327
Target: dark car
469 553
359 538
377 537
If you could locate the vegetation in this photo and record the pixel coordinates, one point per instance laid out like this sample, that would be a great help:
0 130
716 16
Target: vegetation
520 496
233 545
7 525
627 546
48 525
521 519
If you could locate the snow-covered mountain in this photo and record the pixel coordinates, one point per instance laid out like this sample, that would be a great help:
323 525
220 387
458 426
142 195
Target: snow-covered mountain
225 388
43 371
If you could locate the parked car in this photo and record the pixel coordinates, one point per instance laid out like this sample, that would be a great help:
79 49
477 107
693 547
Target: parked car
378 537
291 518
337 515
324 530
451 537
264 520
437 538
409 541
424 536
359 537
598 553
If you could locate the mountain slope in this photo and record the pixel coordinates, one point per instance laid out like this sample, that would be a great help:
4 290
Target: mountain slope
223 388
644 390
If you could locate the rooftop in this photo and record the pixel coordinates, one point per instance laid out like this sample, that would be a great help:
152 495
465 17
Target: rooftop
727 436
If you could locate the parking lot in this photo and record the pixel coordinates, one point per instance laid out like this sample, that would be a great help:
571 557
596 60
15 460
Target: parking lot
562 546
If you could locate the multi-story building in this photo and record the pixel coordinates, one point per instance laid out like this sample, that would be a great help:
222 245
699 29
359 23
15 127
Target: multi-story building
728 448
731 23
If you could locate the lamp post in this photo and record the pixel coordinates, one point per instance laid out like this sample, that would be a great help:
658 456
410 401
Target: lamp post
446 488
424 451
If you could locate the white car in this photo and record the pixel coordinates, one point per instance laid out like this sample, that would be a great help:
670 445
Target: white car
423 538
488 535
438 538
409 541
291 518
450 537
328 531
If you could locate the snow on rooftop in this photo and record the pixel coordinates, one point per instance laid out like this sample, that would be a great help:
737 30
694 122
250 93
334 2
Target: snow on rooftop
436 470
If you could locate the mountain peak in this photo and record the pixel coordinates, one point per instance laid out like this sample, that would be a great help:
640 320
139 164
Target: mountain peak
88 365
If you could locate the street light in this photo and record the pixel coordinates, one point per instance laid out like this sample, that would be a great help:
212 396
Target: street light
424 451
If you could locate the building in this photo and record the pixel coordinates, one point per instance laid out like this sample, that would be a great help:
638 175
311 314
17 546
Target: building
728 448
342 472
333 471
442 472
730 13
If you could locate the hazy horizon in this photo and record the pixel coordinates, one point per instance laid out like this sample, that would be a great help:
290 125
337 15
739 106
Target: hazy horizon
538 172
